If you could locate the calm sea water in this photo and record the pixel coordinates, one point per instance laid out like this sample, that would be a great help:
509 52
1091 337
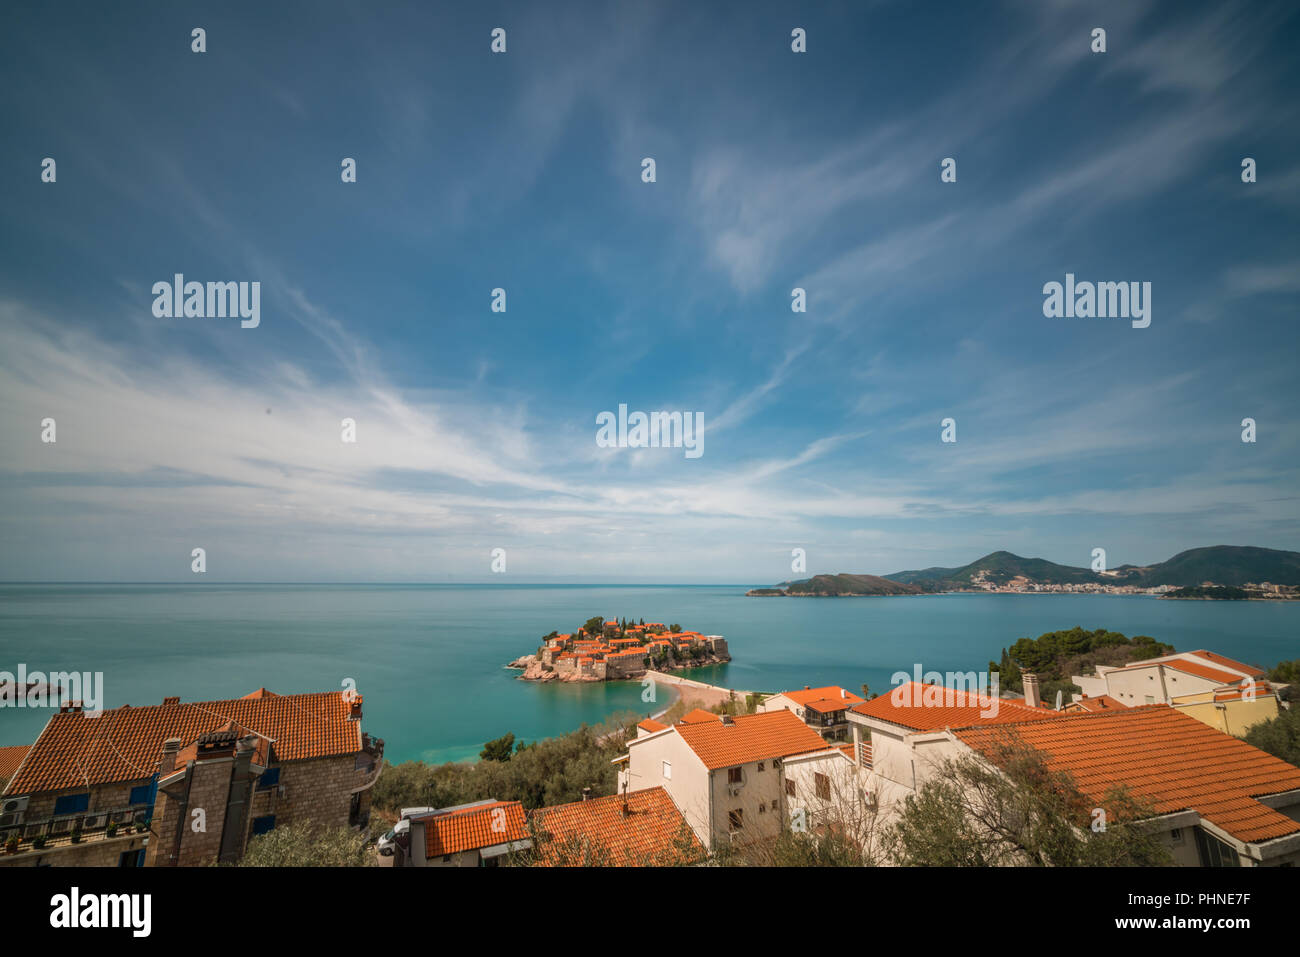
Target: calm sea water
428 658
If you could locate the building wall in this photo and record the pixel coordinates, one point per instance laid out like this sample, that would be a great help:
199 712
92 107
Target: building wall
1133 686
761 798
97 852
1234 717
844 806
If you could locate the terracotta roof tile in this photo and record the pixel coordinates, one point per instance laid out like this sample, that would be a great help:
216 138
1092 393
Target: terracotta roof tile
933 708
77 749
750 737
472 828
830 698
699 715
10 758
1101 702
1167 757
1202 671
651 833
651 725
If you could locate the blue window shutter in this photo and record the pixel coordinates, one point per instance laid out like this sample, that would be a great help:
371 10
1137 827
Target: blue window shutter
269 779
144 794
72 803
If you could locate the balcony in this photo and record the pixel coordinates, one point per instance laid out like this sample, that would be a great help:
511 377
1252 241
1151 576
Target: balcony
58 830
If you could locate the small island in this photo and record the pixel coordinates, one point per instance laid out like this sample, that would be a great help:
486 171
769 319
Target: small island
614 650
838 586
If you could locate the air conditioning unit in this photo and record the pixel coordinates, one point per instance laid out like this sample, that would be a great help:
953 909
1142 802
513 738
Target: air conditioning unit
14 805
868 797
94 821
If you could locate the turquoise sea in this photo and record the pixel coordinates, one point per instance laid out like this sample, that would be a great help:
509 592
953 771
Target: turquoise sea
429 658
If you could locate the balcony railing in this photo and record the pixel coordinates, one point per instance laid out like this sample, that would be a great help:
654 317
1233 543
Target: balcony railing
90 826
62 825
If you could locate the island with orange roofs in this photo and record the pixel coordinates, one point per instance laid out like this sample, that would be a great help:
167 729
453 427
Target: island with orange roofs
614 650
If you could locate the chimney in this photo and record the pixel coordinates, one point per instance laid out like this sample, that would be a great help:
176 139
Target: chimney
70 707
586 794
727 720
807 688
1032 695
844 692
174 700
354 707
171 748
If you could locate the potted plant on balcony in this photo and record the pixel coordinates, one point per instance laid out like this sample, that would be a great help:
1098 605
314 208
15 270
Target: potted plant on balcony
111 830
11 845
76 834
39 841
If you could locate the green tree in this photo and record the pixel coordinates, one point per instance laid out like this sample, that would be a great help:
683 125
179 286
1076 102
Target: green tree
305 845
498 749
1007 807
675 629
1279 736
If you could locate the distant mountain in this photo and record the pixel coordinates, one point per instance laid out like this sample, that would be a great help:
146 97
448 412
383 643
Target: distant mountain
1221 564
1001 567
840 586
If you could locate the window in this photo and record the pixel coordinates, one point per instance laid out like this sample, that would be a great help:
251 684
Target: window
762 808
736 819
823 785
734 776
789 787
269 779
760 765
1213 852
141 795
131 858
72 803
668 770
1150 699
263 824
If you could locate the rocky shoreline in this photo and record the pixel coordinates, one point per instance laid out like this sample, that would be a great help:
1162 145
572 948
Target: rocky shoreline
532 669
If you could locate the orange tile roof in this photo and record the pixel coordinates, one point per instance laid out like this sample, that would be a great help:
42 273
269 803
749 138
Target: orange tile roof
1202 671
650 724
10 758
77 750
831 694
907 707
1230 663
1101 702
697 715
651 833
750 737
1167 757
1262 689
472 828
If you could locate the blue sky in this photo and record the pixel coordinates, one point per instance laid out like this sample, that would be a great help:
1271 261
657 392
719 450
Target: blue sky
476 430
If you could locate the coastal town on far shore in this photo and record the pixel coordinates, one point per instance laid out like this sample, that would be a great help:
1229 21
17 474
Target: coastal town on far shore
1020 585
